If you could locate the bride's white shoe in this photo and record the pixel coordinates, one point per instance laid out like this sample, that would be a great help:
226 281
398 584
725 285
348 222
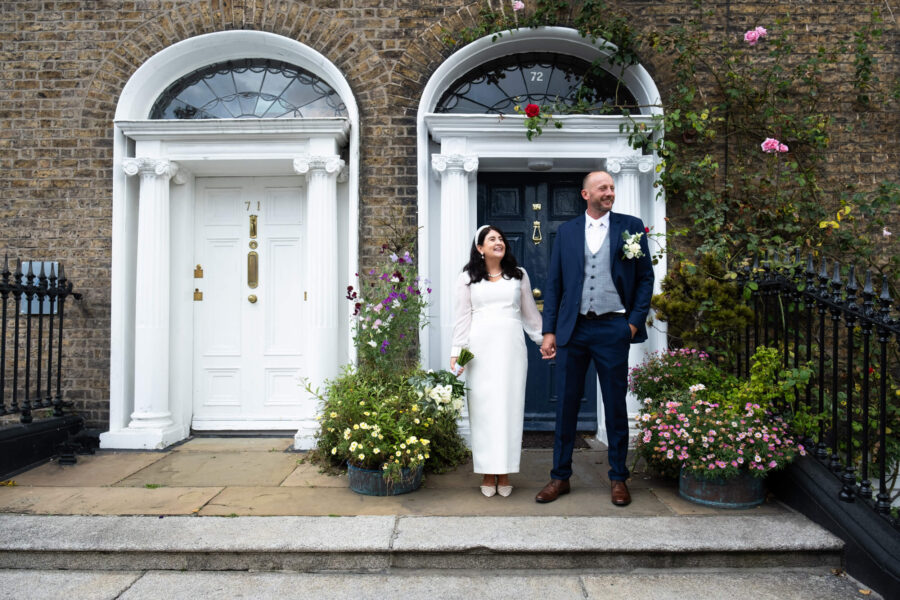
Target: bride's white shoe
504 490
488 490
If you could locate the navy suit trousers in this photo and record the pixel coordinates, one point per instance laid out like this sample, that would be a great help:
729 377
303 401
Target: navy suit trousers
606 343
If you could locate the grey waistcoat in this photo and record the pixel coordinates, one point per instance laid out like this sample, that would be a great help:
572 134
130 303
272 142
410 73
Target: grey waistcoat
599 294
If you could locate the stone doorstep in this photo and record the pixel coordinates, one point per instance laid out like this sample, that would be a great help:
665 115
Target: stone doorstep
366 544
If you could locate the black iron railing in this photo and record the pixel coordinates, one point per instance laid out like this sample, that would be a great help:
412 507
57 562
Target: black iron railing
820 317
31 338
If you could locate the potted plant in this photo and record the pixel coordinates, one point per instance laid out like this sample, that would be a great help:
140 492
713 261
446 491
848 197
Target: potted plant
721 437
385 419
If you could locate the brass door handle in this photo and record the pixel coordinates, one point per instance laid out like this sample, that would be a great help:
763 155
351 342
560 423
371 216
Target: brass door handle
252 298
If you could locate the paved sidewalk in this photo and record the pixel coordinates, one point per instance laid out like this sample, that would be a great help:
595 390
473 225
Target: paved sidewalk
262 477
123 525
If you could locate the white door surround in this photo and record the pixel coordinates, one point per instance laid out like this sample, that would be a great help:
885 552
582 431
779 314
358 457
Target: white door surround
151 370
452 148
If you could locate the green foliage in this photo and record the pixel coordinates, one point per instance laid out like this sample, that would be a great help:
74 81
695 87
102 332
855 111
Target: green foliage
389 307
702 304
663 373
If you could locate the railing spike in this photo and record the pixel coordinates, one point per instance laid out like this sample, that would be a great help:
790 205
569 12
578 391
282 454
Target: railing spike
868 289
19 267
885 296
836 278
810 265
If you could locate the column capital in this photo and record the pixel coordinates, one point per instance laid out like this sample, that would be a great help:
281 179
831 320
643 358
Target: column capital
331 165
619 164
454 163
157 167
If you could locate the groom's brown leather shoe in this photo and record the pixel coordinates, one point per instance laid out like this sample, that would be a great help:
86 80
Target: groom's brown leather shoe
620 495
552 491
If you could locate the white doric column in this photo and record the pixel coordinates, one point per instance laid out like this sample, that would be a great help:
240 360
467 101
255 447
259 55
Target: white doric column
322 287
151 424
627 171
454 171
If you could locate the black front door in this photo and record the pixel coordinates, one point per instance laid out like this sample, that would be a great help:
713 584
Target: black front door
529 207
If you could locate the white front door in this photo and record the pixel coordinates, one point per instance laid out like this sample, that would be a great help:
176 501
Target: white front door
248 333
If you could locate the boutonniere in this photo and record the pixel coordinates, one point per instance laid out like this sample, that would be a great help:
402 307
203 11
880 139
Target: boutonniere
632 246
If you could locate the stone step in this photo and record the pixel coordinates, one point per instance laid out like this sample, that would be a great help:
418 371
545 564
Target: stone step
378 544
797 584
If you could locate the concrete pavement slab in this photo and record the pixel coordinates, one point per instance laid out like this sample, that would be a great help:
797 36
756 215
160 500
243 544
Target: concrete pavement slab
308 475
104 500
202 586
208 469
820 584
790 531
435 501
235 444
52 585
679 506
101 469
27 533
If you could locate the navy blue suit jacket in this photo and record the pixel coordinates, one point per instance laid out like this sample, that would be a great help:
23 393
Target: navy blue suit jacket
633 277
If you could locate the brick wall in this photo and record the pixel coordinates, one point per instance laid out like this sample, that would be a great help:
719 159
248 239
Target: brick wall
65 64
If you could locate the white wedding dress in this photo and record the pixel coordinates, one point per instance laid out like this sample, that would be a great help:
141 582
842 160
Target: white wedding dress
490 317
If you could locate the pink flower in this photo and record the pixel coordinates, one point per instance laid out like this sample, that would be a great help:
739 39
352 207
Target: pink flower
770 145
886 233
754 35
518 5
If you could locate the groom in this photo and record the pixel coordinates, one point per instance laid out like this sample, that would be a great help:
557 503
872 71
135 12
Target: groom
595 305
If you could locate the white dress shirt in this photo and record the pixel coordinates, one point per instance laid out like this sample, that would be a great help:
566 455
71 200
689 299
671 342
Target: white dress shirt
595 231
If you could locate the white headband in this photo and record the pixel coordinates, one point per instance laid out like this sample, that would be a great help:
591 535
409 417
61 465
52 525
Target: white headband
478 232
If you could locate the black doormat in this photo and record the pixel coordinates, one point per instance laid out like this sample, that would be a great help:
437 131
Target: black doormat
544 439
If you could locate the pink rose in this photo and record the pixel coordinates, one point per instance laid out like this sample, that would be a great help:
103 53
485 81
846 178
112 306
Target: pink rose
751 37
532 110
518 5
761 31
772 145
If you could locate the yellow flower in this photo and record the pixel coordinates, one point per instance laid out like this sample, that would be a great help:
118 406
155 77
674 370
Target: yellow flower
416 421
376 451
333 415
398 453
415 408
362 456
402 446
427 455
334 450
355 426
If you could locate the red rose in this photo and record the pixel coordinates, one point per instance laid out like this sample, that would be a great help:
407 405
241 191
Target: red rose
646 230
532 110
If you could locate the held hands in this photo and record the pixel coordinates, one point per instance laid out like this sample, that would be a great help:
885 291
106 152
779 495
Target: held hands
548 346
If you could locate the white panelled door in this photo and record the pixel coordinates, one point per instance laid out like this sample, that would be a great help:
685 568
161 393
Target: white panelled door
248 338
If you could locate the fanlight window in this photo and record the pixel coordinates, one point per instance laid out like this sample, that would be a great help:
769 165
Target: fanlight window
539 78
253 88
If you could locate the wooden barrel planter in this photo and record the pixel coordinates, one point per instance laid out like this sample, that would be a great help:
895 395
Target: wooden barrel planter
741 491
371 482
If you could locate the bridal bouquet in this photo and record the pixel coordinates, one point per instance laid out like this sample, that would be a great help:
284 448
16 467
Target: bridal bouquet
464 358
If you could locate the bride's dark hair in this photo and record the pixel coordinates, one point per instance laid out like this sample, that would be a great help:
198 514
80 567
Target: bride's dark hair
476 268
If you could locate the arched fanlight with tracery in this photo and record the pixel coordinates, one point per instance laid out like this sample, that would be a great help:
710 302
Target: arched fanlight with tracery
254 88
540 78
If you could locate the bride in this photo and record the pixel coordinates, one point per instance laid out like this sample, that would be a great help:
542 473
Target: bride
493 305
